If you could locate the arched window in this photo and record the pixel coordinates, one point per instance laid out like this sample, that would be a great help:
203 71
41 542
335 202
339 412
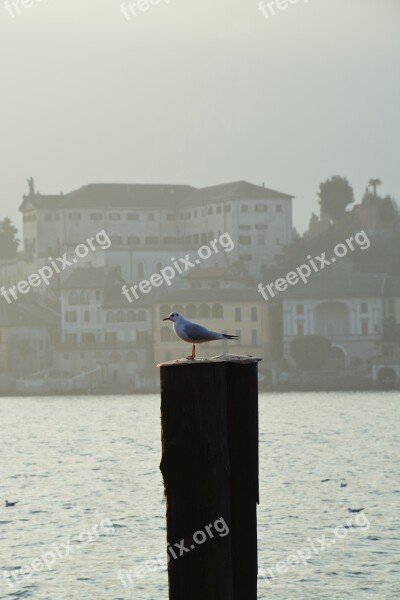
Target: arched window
131 356
204 311
141 316
73 297
178 308
115 357
84 297
165 310
191 311
140 270
121 316
110 316
131 315
165 334
217 311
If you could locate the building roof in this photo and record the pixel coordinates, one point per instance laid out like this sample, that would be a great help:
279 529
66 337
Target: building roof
149 195
234 191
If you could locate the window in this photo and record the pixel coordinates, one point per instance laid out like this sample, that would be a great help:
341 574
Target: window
121 316
253 313
300 327
278 208
133 217
245 240
96 216
133 239
364 327
74 216
116 240
238 314
300 309
86 316
245 227
73 297
88 338
111 338
70 316
71 338
114 216
260 239
254 338
83 297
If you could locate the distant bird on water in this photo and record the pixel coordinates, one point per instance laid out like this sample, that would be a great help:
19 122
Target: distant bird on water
193 333
8 504
355 510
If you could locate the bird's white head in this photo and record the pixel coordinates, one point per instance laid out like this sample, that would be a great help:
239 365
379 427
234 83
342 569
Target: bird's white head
174 316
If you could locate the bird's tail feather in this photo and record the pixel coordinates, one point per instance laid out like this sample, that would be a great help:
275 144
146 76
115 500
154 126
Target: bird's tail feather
230 337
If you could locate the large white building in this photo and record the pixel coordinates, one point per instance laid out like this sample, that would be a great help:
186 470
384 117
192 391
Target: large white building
150 224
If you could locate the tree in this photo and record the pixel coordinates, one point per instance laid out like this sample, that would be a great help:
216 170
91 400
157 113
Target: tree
310 351
374 184
335 195
8 239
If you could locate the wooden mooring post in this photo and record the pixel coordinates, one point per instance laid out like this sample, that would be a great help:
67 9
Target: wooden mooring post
209 418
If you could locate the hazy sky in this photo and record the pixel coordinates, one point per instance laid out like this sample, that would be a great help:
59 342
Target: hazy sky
200 92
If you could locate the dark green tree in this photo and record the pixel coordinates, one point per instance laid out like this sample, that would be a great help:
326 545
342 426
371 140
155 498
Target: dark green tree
310 351
335 195
8 239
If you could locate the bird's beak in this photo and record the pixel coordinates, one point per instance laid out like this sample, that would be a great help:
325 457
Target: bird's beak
166 319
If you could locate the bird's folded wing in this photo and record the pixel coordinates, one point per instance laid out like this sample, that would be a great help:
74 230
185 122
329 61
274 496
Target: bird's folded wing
197 333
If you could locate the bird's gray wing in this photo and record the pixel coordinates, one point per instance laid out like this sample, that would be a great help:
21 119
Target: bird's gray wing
198 333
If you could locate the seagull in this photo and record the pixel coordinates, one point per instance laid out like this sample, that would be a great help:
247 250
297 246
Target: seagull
8 504
194 333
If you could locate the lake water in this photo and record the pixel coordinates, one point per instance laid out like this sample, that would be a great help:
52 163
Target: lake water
77 463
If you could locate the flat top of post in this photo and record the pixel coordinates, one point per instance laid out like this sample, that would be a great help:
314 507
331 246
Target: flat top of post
227 358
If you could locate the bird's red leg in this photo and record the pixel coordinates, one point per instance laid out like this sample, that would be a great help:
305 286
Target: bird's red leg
193 355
